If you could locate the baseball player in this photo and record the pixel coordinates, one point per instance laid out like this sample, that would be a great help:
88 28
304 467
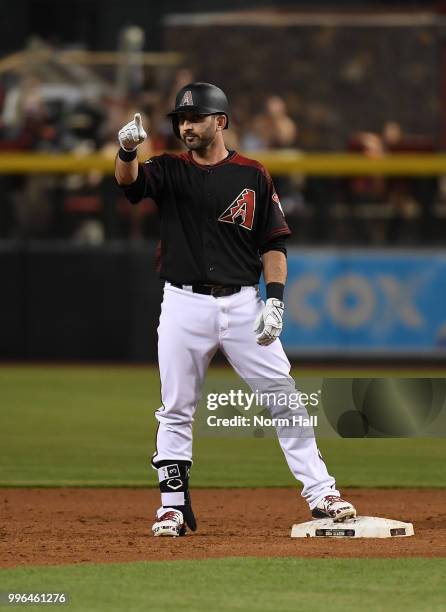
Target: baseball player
222 225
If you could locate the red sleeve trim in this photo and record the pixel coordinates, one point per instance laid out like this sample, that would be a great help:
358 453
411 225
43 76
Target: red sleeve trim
281 231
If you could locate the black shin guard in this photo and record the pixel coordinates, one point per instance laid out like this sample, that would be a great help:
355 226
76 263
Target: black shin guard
173 476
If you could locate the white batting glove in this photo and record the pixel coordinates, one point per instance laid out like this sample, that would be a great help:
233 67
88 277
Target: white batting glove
269 322
132 134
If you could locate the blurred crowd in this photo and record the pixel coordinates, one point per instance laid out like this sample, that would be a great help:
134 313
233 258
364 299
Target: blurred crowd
89 208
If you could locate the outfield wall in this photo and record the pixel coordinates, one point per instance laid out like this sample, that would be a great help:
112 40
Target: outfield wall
62 301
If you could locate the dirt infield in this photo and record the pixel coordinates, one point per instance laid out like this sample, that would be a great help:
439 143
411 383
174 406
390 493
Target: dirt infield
59 526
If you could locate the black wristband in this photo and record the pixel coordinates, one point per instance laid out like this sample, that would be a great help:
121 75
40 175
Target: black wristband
275 290
126 156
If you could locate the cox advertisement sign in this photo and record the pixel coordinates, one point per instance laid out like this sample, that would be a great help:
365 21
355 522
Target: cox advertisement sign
365 302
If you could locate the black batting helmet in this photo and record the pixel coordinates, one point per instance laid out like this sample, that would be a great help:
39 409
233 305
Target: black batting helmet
201 98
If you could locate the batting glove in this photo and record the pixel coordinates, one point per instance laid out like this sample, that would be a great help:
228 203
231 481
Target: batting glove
269 322
132 134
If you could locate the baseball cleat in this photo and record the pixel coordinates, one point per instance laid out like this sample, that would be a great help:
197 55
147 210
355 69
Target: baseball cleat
169 523
334 507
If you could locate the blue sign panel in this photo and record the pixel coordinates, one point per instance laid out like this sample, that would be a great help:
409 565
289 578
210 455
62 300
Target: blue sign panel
369 302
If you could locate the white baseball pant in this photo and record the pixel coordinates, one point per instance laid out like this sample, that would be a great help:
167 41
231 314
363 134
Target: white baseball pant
192 327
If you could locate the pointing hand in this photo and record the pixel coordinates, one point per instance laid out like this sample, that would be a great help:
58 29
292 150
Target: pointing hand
132 134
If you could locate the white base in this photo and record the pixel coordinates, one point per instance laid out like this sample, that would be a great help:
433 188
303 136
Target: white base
359 527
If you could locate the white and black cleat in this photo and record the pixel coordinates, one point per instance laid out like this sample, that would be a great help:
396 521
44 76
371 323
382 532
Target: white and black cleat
169 523
334 507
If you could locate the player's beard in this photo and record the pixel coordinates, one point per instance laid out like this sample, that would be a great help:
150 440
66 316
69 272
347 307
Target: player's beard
198 143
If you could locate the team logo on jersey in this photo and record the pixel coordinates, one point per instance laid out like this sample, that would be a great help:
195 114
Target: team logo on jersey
187 99
241 211
275 198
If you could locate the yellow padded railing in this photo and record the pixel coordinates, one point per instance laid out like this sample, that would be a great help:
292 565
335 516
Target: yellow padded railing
278 163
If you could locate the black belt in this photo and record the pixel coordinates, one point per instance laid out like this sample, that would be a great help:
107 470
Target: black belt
214 290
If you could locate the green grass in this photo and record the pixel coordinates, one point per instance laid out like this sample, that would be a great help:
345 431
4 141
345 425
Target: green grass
244 584
95 426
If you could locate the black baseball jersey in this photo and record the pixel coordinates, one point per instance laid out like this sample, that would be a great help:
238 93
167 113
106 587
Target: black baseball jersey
214 219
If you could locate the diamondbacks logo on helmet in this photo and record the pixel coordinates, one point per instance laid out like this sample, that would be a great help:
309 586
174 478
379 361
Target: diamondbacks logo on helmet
187 99
241 211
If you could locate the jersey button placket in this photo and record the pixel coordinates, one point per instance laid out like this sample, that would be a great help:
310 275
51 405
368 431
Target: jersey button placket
210 220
